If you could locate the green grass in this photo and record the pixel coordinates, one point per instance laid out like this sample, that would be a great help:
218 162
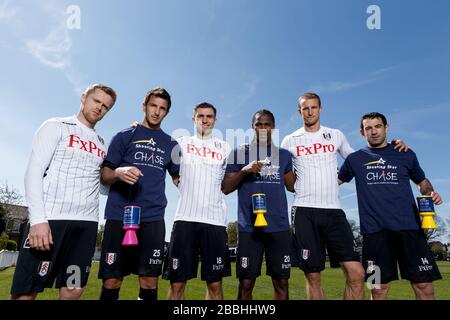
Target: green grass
332 281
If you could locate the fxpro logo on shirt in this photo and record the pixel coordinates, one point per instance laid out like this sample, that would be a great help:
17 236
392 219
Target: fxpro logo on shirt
380 172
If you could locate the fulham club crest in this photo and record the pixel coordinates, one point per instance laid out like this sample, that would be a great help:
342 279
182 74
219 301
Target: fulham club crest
43 268
326 135
110 258
305 254
217 144
244 262
174 263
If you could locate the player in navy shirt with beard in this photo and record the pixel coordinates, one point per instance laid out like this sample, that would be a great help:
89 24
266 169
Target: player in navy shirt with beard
389 218
135 167
261 167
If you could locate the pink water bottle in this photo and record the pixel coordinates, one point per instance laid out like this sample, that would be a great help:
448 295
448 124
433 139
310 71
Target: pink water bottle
131 218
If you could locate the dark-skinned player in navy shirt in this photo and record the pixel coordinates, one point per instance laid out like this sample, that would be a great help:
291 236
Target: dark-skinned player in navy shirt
262 167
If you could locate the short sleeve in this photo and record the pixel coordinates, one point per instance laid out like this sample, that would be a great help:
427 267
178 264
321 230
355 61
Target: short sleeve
288 167
173 166
346 173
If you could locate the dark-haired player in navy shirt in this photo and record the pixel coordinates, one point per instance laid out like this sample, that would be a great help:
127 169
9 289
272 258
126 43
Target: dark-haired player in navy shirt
135 168
261 167
389 218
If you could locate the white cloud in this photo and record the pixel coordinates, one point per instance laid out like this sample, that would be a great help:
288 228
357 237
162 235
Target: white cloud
53 50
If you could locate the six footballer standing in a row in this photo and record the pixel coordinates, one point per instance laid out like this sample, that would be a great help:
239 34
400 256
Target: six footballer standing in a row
70 164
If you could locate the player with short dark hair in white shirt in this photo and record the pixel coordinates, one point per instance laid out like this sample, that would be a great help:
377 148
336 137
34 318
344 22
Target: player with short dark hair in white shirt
62 185
200 217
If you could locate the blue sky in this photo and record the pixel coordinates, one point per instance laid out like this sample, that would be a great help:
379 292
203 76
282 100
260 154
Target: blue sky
239 55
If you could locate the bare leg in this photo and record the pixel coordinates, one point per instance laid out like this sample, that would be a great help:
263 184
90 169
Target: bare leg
313 288
354 280
381 293
148 282
176 290
25 296
423 290
112 283
245 289
66 293
214 291
280 289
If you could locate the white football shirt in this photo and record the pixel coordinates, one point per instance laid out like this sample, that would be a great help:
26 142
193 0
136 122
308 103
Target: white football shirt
315 164
202 168
62 179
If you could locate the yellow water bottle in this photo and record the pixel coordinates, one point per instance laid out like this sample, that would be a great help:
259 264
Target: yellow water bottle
259 208
426 211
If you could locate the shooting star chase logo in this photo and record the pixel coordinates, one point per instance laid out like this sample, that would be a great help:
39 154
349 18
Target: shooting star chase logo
150 141
380 161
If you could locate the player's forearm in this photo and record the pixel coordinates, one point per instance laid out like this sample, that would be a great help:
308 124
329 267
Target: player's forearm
289 181
108 176
231 181
425 187
290 188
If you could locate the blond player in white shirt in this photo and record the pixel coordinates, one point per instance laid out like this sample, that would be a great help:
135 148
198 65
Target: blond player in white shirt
317 217
62 184
200 217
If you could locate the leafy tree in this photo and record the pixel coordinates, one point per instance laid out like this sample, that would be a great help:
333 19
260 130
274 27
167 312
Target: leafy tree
439 251
9 196
440 231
